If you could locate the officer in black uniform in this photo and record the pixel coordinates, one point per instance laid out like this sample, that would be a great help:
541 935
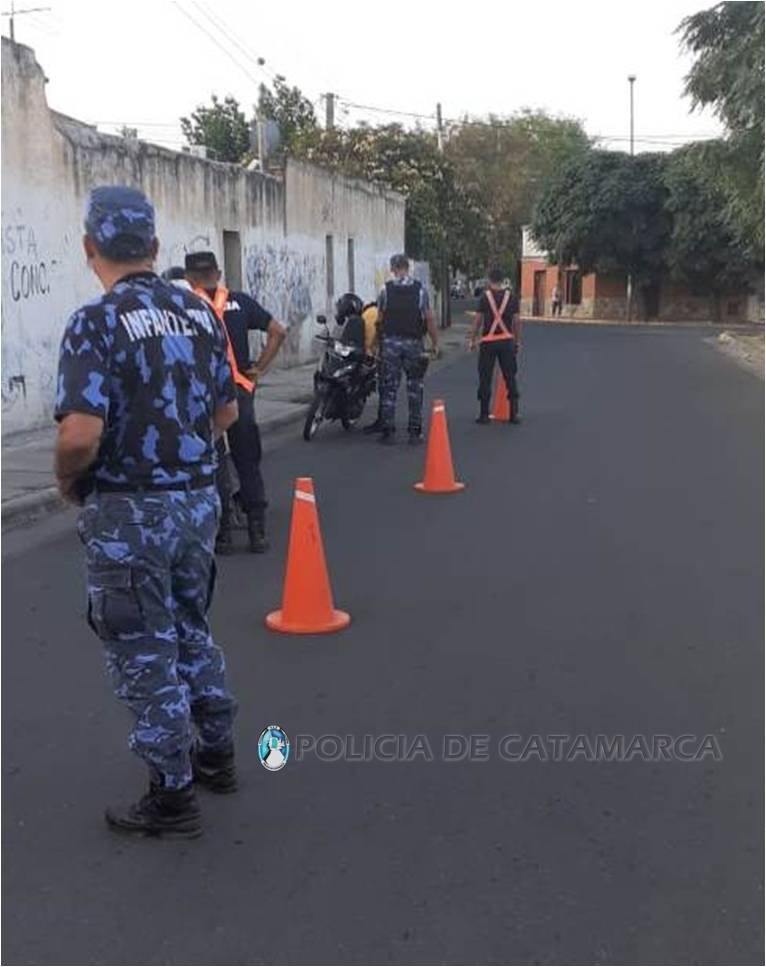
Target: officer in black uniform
497 333
144 383
241 314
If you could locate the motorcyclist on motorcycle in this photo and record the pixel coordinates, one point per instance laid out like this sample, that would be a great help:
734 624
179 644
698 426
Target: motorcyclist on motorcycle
346 373
348 316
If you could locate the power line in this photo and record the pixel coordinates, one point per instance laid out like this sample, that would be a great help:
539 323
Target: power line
386 110
220 24
181 9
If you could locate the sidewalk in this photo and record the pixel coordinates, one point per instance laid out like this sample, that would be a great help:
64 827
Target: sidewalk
28 487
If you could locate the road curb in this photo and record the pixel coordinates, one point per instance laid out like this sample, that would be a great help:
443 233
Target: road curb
28 507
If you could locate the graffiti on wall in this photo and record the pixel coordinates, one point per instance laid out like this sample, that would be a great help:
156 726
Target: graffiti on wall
282 281
29 274
29 279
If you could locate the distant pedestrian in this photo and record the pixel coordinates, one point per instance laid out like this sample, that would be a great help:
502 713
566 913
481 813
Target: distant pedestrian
556 301
144 384
497 332
405 316
240 314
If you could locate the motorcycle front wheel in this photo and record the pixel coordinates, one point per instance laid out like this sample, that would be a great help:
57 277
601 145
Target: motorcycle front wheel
314 416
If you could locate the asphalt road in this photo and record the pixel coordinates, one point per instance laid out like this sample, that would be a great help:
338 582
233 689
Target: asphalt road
601 574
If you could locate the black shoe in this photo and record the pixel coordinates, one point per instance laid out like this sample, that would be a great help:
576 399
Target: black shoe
170 813
215 769
387 438
482 418
224 541
256 533
376 427
415 438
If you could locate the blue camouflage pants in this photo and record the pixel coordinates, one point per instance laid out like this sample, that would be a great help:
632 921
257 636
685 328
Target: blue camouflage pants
402 353
151 573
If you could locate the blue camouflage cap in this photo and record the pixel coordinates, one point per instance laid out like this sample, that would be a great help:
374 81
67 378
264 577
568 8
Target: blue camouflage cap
120 220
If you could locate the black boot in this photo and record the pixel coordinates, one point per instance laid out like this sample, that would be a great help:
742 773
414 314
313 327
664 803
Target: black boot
215 769
376 427
483 416
256 532
170 813
224 541
515 418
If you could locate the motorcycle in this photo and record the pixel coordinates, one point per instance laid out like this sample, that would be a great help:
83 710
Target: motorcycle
344 379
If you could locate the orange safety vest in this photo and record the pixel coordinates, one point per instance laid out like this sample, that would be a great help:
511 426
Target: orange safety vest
218 305
498 329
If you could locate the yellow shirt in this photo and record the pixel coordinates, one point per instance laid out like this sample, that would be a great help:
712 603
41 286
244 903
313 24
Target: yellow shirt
370 318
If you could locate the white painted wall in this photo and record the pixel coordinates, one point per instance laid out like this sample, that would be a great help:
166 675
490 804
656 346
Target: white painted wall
49 164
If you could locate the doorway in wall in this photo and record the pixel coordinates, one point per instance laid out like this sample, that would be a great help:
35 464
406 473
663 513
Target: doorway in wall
538 294
232 260
329 258
351 267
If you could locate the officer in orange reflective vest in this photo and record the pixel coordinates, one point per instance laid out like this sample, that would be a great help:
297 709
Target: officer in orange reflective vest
239 314
497 332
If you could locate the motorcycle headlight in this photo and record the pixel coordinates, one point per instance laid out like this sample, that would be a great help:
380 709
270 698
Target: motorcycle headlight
342 350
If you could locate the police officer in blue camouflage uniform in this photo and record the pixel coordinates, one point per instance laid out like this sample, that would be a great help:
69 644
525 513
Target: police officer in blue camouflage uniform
144 387
404 316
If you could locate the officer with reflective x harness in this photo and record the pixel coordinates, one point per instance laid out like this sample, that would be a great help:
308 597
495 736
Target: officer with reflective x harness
497 317
144 384
404 315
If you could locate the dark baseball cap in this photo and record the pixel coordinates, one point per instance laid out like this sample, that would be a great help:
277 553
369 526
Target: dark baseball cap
200 261
120 220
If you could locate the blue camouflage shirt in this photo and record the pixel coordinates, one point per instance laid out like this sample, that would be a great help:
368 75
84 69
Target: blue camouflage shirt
149 359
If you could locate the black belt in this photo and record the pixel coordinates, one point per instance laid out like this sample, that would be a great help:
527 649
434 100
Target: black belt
106 487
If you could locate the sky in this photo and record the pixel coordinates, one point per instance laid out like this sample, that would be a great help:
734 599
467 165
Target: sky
145 64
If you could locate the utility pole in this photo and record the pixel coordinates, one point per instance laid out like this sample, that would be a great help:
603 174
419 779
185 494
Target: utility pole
13 13
446 316
629 292
329 104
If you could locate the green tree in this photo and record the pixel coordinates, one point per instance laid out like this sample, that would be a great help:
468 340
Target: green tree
290 108
728 75
221 127
504 164
608 212
703 250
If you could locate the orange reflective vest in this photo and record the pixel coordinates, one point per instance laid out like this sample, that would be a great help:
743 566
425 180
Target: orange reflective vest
218 304
498 329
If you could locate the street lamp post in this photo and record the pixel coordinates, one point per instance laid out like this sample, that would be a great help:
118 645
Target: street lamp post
629 292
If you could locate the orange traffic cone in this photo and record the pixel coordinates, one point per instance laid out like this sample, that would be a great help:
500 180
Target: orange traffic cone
307 605
439 477
501 405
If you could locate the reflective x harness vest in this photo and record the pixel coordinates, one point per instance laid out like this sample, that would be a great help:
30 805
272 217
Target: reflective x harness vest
498 329
218 305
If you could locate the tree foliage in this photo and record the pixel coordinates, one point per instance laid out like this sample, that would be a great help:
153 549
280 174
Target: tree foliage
503 163
221 127
703 251
728 75
290 108
606 211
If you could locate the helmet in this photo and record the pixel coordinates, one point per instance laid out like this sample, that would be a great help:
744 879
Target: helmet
348 305
174 273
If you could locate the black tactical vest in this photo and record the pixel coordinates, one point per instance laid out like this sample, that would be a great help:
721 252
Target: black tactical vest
402 315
